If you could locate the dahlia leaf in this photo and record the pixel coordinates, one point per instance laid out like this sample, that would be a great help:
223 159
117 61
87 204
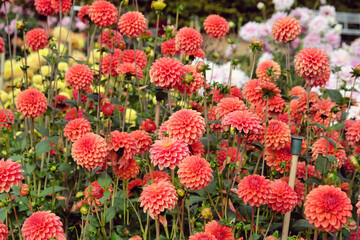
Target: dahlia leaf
337 126
110 213
322 164
104 180
302 224
313 180
42 147
330 140
50 190
43 131
320 125
106 196
335 95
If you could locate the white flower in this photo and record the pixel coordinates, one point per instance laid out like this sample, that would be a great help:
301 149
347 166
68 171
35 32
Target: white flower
260 5
319 24
338 28
339 57
327 11
249 31
282 5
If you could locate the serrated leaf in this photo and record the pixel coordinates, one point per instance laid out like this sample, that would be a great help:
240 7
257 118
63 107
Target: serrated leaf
28 169
104 180
43 131
16 157
337 126
106 196
110 213
335 95
196 199
50 190
258 145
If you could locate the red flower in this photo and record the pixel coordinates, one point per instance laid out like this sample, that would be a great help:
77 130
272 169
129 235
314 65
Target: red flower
76 128
353 133
44 7
252 93
167 72
89 151
128 172
4 120
132 24
168 47
110 39
79 76
202 236
230 154
129 69
186 125
129 55
199 53
286 29
158 197
83 14
58 103
278 134
65 5
113 59
254 190
267 68
43 225
328 208
216 127
2 45
228 105
235 92
195 172
123 146
95 192
136 183
244 121
74 113
10 175
103 13
148 125
31 103
282 197
36 39
168 153
311 63
3 231
107 108
195 83
197 148
188 40
196 106
143 141
216 26
301 171
299 189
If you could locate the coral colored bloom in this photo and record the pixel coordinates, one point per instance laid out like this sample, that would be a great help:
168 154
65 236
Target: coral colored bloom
311 63
196 106
168 48
157 197
202 236
167 72
10 175
123 146
244 121
113 59
95 192
129 69
43 225
65 5
83 14
148 125
328 208
195 172
299 189
252 95
282 197
31 103
297 91
254 190
220 232
74 113
324 147
197 148
216 26
58 102
76 128
353 133
107 108
103 13
36 39
143 141
132 24
235 92
156 176
6 121
186 125
321 80
110 39
230 154
128 172
197 81
129 55
188 40
3 231
278 134
44 7
168 153
286 29
79 77
134 185
2 45
90 151
228 105
279 159
216 127
268 71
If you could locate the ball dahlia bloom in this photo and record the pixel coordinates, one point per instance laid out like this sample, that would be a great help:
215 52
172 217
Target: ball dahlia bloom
157 197
90 151
353 133
79 77
202 236
83 14
186 125
188 40
103 13
228 105
282 197
43 225
275 158
195 172
286 29
3 231
216 127
229 154
76 128
134 185
128 172
143 141
267 68
4 120
36 39
321 80
148 125
328 208
311 63
74 113
220 232
110 39
129 69
168 48
278 134
167 72
132 24
250 93
324 147
216 26
244 121
299 189
168 152
2 45
65 5
197 148
44 7
31 103
95 192
123 146
197 81
113 59
156 177
129 55
10 175
254 190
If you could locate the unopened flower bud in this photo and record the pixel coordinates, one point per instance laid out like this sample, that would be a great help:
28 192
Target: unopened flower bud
158 5
20 25
231 24
79 194
180 192
206 213
354 162
200 67
84 210
24 190
216 55
260 5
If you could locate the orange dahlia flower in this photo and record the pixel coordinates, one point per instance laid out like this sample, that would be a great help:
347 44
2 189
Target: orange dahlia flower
254 190
282 197
286 29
